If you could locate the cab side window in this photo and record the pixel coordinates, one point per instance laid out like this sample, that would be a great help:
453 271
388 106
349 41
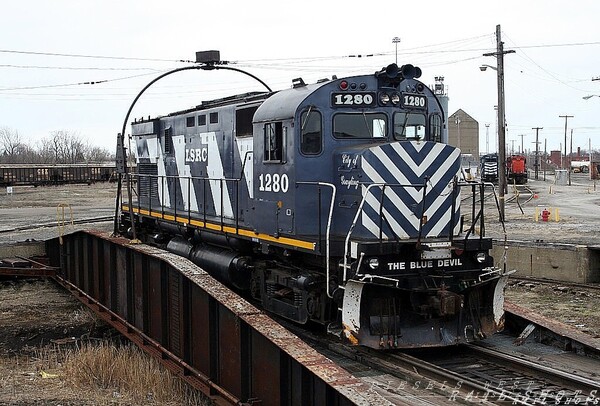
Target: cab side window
274 142
435 128
311 134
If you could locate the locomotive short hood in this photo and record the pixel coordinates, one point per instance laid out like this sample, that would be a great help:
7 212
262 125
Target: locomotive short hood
411 187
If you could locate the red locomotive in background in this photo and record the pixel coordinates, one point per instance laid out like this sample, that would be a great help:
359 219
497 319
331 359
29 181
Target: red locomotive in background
516 169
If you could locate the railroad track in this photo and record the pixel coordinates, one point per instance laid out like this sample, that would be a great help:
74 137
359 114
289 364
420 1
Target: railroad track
464 374
55 224
507 378
472 374
529 279
519 190
398 382
515 191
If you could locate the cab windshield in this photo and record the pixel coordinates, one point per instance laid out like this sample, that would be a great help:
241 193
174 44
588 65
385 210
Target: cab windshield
359 125
409 126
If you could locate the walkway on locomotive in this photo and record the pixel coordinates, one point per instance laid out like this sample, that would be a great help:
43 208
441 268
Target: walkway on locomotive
268 181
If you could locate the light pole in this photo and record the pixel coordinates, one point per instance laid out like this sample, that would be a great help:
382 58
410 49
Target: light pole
566 117
537 150
501 131
457 122
395 41
499 54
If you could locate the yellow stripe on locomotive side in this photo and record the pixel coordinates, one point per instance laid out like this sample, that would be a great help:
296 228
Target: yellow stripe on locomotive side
226 229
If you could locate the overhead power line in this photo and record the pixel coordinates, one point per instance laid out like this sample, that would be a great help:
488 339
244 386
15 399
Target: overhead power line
450 47
572 44
74 84
125 58
70 67
414 50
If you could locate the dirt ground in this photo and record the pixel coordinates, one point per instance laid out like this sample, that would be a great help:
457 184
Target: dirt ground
574 306
46 340
39 321
43 206
574 211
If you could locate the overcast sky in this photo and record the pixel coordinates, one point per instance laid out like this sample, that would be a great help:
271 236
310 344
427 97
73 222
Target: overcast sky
50 49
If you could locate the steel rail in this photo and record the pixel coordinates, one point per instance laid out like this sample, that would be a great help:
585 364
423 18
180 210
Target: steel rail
404 366
559 377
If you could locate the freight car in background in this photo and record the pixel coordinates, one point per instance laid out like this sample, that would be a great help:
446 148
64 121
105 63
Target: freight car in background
516 169
47 174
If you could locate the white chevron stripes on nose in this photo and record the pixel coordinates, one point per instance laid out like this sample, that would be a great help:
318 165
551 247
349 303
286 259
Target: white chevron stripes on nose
406 164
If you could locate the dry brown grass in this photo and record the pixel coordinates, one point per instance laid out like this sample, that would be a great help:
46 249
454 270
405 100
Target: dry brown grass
128 373
97 373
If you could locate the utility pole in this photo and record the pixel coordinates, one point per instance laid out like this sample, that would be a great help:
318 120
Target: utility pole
522 148
537 151
487 138
496 126
590 153
566 118
570 156
545 156
499 54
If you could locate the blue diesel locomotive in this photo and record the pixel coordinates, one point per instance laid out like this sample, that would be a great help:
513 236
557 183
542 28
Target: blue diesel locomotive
336 202
489 168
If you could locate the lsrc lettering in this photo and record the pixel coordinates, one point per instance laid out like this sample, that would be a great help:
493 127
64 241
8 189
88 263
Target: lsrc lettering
196 154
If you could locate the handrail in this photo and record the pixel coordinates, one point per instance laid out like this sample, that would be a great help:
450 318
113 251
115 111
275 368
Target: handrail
423 209
328 231
359 211
190 179
456 187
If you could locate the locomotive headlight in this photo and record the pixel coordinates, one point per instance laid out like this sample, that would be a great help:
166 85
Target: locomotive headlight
373 263
481 257
384 98
395 98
